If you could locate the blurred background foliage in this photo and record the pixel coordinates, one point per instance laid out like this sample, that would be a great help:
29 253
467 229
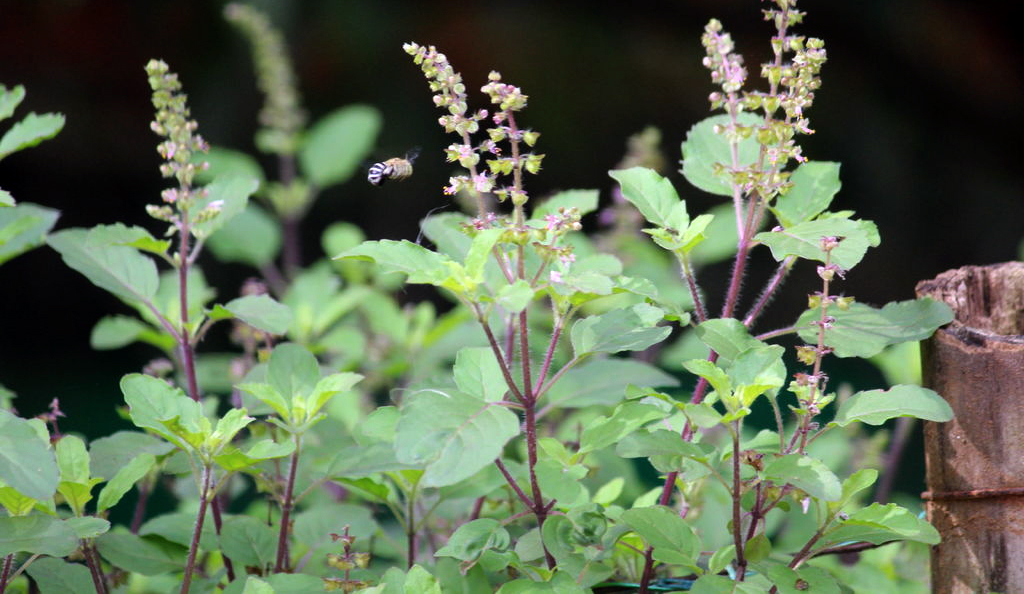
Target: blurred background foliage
920 103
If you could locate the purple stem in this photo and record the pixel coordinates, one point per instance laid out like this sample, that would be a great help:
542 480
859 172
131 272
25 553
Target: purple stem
140 506
217 523
94 569
8 562
193 549
286 512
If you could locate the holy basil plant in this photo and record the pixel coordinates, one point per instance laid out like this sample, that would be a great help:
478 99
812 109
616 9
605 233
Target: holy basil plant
580 418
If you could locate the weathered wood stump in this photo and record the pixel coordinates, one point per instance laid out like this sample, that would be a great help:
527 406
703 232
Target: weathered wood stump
975 463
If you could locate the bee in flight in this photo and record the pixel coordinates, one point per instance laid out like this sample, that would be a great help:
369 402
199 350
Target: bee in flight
397 169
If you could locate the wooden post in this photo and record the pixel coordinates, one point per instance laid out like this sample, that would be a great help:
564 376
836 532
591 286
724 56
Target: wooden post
975 463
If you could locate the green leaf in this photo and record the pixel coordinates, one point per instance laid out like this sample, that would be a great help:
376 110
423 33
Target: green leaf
629 329
451 435
10 99
30 131
674 541
857 482
879 523
875 407
478 374
124 480
232 192
114 332
805 473
720 584
757 548
233 459
254 585
627 418
661 442
6 200
805 579
654 196
154 405
178 528
148 556
815 183
604 381
293 371
728 337
271 397
583 200
336 144
515 297
863 331
73 464
261 312
480 252
279 583
224 161
703 149
108 455
72 459
88 526
121 234
420 264
714 374
120 270
756 371
328 387
252 237
27 464
248 541
804 240
471 539
36 534
55 576
24 227
721 238
444 230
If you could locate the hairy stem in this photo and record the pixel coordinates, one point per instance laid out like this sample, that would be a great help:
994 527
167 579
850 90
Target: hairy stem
539 509
94 567
769 290
410 530
493 342
291 245
670 479
287 503
891 462
206 483
184 338
512 483
217 524
145 488
737 486
6 572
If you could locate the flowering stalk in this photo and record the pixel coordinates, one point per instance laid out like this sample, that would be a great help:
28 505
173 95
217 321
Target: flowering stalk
754 186
508 99
282 119
184 209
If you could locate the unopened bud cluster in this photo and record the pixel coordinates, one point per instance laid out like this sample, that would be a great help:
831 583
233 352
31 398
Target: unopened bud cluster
281 115
450 95
791 93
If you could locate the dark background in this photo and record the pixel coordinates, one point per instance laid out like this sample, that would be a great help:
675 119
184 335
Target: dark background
920 102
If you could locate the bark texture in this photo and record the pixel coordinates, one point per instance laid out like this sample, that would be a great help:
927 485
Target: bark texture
975 463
